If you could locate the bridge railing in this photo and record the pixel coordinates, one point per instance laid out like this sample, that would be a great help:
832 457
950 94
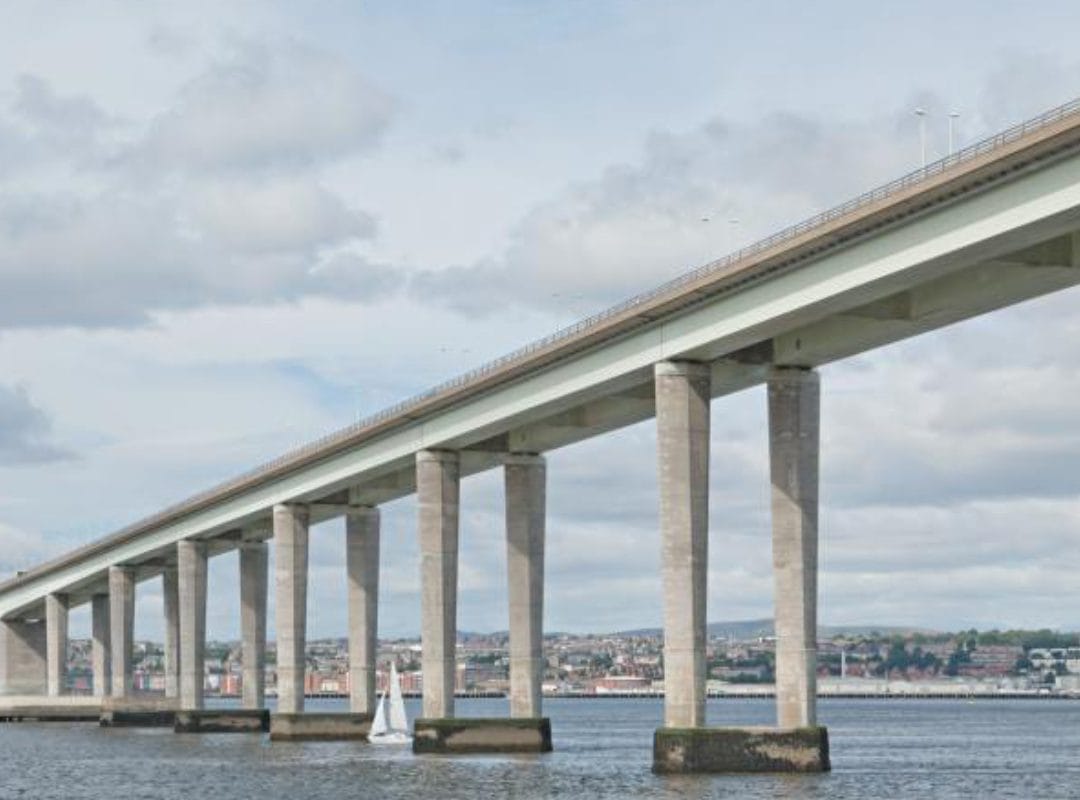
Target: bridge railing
931 170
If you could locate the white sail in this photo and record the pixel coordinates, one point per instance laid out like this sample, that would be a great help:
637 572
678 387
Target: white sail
378 726
399 722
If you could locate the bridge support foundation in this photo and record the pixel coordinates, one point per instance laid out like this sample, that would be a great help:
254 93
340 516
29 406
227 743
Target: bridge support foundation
253 586
100 648
437 490
191 564
525 477
362 566
793 445
683 393
684 744
56 631
290 568
170 587
121 628
22 657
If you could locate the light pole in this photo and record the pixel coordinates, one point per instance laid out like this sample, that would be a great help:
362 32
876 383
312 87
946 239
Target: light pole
953 117
921 114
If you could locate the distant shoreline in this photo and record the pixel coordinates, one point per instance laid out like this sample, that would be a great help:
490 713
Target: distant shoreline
754 695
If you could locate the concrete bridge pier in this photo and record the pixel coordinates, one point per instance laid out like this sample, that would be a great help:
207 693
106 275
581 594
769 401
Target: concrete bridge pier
526 489
291 557
793 443
290 577
192 717
191 568
362 566
56 645
438 479
254 566
121 628
438 492
100 647
22 657
170 592
685 744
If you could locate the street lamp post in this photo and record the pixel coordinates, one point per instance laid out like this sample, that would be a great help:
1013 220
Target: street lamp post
921 114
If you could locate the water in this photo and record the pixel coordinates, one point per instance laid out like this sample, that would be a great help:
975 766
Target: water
880 748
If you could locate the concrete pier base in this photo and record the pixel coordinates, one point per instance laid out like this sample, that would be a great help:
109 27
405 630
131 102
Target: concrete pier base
138 712
473 735
683 750
50 709
318 726
223 720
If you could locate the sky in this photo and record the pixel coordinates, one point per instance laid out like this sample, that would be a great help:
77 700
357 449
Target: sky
227 228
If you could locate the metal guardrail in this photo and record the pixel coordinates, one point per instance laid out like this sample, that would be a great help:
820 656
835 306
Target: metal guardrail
883 192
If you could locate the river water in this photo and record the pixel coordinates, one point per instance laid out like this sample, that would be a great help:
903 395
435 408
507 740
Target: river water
880 749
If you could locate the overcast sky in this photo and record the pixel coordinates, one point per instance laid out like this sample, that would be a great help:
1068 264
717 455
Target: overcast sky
227 228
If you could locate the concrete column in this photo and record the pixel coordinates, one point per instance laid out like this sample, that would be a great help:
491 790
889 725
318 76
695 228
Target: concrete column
362 565
23 657
100 648
121 627
253 582
793 455
56 643
683 392
191 574
525 477
290 577
438 475
170 586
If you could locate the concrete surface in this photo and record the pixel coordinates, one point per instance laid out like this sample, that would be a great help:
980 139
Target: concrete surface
687 750
437 492
682 433
476 735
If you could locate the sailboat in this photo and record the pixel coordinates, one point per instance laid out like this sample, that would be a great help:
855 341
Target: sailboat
390 727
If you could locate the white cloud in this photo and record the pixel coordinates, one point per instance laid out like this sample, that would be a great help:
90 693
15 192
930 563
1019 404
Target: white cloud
25 431
268 106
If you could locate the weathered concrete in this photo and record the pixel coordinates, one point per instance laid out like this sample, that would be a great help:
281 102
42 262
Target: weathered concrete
100 648
525 480
319 726
222 720
678 750
121 627
136 711
682 423
290 577
362 566
793 448
191 569
31 708
254 563
170 587
22 657
438 475
475 735
56 644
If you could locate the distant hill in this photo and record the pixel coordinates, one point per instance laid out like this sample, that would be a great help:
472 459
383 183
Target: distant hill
749 628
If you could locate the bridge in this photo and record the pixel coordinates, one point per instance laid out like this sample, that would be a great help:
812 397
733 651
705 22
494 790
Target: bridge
991 225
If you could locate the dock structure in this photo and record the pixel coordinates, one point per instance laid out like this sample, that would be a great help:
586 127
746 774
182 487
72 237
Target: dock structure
990 226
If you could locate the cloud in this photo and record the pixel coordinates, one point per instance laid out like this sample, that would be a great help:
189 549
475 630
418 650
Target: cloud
24 431
219 201
690 197
266 107
265 216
